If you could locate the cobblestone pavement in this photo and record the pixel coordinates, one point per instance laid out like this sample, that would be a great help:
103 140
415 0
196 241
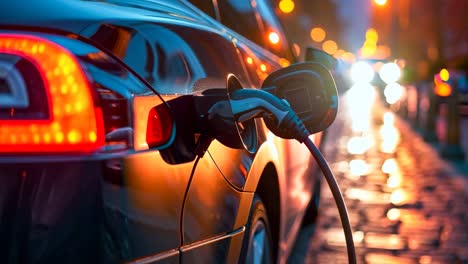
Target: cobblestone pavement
406 205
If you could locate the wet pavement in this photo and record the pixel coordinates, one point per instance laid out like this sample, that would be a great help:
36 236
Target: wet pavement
406 204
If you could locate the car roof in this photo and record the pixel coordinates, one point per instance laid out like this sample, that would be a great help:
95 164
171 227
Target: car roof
74 15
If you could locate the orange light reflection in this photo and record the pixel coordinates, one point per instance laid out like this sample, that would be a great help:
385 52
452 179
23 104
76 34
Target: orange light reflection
394 181
393 214
398 197
390 166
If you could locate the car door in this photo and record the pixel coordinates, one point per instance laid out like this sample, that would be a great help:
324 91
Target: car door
145 211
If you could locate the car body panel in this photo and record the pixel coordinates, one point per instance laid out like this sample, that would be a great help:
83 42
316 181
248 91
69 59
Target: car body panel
128 205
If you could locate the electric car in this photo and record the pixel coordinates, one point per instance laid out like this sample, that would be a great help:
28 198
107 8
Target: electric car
105 155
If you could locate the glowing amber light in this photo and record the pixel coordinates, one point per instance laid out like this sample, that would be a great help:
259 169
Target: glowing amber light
263 67
286 6
443 89
372 36
318 34
249 60
380 2
273 37
284 62
330 46
425 260
444 75
72 110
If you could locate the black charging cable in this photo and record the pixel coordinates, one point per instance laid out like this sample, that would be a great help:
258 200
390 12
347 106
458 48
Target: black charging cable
337 195
303 137
252 103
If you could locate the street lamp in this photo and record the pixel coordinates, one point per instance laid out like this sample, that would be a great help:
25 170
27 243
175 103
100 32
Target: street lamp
380 2
286 6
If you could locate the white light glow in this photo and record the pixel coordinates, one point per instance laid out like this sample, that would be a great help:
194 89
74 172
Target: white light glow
393 93
390 166
360 99
362 72
390 72
358 167
358 145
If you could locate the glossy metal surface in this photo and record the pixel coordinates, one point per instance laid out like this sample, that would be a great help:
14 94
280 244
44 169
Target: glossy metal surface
129 205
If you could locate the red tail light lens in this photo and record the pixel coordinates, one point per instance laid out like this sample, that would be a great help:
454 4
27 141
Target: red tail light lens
159 126
72 122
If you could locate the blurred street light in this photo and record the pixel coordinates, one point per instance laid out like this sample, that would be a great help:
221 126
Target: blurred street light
372 35
444 75
330 47
380 2
286 6
273 37
318 34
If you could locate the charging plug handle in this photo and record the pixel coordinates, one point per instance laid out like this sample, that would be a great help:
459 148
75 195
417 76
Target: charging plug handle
250 103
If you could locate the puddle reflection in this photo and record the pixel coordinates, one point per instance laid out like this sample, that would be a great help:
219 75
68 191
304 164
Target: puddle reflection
390 166
370 197
358 167
398 197
389 134
358 145
425 260
393 214
335 237
360 99
394 181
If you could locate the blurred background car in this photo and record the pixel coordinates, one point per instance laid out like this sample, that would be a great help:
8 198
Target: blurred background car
102 153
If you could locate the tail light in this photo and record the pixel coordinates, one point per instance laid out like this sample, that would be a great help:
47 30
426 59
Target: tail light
159 127
46 100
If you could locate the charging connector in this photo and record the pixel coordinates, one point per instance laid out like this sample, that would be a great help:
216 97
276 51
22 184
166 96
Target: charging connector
250 103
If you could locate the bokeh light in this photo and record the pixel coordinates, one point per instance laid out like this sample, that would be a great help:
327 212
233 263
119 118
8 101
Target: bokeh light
443 89
394 181
390 72
360 99
286 6
330 47
390 166
393 93
318 34
362 72
358 167
444 75
372 35
274 38
380 2
393 214
398 197
358 145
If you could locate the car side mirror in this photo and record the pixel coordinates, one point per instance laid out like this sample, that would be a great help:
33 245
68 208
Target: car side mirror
310 90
